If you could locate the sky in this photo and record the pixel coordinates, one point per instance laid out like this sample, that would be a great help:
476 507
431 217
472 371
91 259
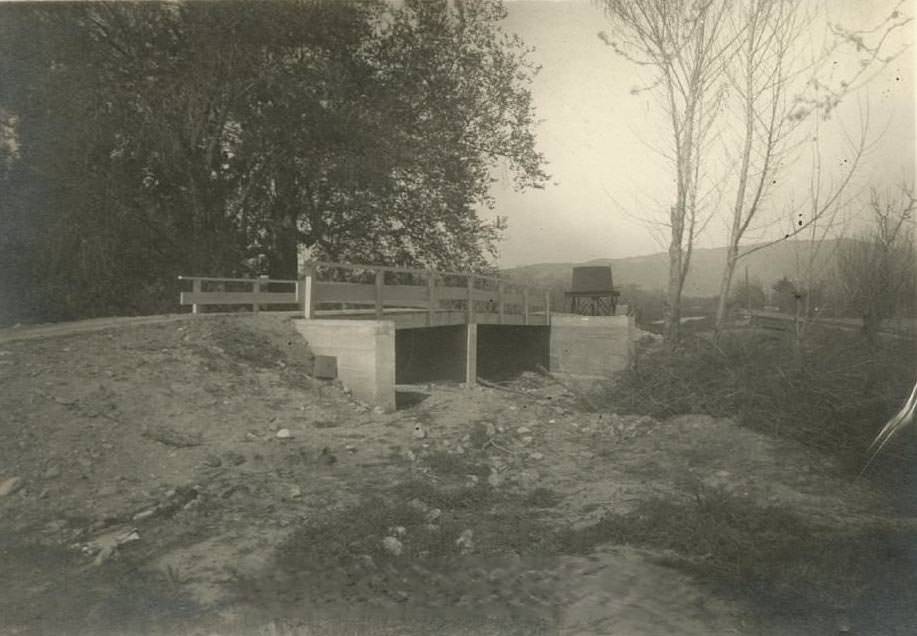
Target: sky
602 142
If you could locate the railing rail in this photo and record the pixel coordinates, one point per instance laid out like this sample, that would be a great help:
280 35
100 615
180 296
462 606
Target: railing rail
497 299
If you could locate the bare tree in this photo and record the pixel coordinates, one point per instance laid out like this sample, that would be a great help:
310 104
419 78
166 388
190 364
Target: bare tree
682 42
707 54
878 272
776 90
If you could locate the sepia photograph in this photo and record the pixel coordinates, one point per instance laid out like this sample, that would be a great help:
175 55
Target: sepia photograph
458 318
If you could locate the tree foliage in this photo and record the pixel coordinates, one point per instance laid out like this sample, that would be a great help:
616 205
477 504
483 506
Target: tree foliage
145 140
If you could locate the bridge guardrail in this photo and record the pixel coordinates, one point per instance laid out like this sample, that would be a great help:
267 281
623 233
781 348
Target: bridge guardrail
375 290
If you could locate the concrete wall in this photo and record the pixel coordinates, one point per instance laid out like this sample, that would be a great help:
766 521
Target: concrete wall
365 352
597 346
504 351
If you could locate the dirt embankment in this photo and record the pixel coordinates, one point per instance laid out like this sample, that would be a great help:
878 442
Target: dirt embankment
189 478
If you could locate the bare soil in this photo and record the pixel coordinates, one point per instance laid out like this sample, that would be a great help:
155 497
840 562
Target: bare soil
155 496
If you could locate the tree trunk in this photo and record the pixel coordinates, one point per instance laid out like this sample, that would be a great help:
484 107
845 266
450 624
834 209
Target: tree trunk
732 257
283 260
676 277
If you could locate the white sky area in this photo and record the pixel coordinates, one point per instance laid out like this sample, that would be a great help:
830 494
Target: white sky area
602 142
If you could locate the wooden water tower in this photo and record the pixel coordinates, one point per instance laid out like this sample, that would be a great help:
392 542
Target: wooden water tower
593 292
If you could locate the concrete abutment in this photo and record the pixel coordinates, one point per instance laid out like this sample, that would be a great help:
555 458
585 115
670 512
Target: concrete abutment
372 356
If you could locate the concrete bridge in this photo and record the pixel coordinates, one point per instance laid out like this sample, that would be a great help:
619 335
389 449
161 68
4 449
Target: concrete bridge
388 325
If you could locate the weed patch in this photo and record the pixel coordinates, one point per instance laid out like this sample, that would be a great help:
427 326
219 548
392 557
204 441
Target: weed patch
834 394
766 554
453 465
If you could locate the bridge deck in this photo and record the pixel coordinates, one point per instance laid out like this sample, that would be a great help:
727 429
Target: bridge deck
415 319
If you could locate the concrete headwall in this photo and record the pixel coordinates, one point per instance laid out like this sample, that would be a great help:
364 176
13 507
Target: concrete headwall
597 346
365 352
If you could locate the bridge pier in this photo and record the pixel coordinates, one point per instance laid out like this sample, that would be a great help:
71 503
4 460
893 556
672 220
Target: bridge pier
471 354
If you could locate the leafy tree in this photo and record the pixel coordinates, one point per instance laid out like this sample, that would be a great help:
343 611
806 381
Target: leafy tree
144 140
750 295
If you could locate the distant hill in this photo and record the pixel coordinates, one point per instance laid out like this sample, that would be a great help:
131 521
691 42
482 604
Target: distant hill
650 272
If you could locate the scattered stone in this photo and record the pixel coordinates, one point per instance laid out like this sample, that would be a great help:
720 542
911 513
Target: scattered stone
494 479
144 514
367 561
284 433
465 542
378 410
410 456
251 437
489 429
527 479
295 492
43 494
392 546
234 458
104 555
472 480
107 491
419 433
536 456
501 428
173 437
398 531
327 457
9 486
53 472
417 504
552 421
432 527
213 461
527 439
459 450
523 430
434 515
350 448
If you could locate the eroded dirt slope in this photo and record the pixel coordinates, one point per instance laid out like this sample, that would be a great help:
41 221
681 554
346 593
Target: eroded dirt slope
190 478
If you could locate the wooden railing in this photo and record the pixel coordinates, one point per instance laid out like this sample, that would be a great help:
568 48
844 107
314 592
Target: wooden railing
352 289
224 291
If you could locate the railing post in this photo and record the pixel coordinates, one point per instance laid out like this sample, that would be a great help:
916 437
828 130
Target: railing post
380 284
469 304
525 305
547 308
500 302
431 297
306 291
256 289
195 289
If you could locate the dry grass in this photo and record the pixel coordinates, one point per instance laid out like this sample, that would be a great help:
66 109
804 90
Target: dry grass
833 395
